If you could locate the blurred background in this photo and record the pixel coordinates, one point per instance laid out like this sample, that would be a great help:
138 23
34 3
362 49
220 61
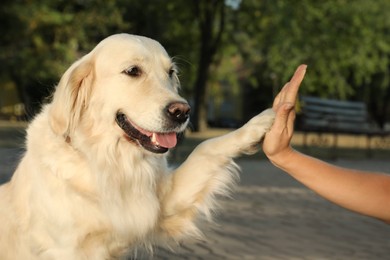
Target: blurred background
233 55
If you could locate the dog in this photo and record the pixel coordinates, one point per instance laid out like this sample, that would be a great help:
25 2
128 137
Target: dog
94 182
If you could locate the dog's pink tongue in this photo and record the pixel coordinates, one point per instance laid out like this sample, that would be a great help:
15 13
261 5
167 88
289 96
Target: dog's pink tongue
167 140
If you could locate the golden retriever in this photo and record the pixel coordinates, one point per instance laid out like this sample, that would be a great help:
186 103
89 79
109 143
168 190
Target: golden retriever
94 182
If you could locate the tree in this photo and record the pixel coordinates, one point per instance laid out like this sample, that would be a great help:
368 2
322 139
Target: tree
47 36
42 38
211 21
345 43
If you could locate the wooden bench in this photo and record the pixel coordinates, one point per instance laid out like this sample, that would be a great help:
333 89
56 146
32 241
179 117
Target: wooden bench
336 117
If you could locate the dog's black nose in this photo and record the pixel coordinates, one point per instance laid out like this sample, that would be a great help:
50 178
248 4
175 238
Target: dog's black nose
178 111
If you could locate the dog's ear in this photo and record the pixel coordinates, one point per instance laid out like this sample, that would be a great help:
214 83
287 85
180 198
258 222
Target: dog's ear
71 96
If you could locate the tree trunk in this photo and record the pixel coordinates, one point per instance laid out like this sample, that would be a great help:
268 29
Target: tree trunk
208 12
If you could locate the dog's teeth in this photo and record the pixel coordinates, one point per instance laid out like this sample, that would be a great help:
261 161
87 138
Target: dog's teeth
154 139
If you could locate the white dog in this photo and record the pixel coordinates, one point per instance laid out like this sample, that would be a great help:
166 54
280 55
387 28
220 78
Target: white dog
94 182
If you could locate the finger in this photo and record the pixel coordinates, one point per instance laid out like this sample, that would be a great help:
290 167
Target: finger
290 122
295 82
281 118
283 93
276 102
279 97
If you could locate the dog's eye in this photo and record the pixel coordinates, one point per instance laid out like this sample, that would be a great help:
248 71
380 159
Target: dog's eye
134 71
171 72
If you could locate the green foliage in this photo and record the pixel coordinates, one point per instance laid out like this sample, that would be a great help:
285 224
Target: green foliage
42 38
344 42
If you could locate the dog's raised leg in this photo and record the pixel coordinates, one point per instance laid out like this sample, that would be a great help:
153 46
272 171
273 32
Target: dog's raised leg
208 171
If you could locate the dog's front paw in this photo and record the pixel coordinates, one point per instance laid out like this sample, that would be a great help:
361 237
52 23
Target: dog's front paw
254 131
264 120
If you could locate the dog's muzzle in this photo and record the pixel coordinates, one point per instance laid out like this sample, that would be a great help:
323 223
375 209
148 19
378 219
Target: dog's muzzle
177 115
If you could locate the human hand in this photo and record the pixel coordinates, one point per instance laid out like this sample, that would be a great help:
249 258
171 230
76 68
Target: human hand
276 144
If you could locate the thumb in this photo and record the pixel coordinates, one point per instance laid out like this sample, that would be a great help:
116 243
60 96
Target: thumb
282 115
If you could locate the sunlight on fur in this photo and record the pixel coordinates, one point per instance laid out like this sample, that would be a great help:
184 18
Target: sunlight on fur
94 182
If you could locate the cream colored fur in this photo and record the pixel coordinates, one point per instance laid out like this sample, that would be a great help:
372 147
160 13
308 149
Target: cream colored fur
83 191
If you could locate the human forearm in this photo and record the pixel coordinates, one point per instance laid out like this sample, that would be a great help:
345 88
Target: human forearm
363 192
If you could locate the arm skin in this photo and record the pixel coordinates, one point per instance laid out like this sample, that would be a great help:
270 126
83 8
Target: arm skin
367 193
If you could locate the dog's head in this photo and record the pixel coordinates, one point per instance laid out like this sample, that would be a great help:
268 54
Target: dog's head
126 87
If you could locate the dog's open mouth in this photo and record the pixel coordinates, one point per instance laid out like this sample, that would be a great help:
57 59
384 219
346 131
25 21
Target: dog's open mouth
151 141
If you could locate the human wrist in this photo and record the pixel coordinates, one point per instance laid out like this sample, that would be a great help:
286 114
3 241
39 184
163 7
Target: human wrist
283 158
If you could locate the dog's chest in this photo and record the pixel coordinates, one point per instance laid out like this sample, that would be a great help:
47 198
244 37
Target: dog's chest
127 222
134 216
132 209
129 199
